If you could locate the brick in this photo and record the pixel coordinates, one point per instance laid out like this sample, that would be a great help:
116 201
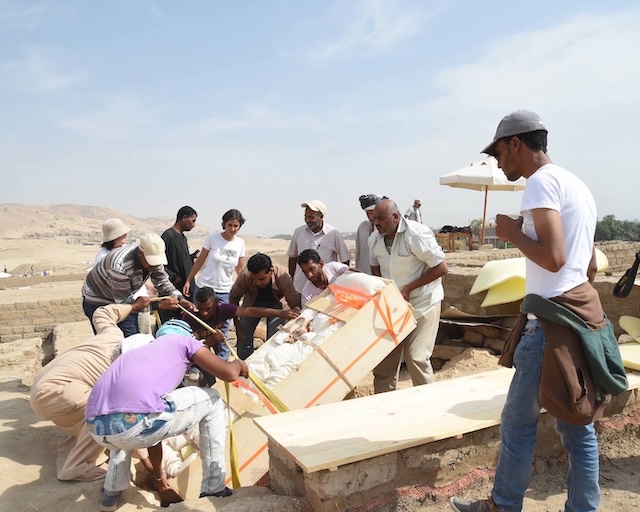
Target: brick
352 478
473 338
10 337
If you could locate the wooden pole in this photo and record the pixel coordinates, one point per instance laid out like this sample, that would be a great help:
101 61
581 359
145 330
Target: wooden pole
484 215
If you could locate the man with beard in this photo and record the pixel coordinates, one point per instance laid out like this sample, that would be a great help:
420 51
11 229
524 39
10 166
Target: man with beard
315 234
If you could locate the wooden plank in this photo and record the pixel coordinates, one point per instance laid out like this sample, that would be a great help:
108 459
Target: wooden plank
630 353
403 419
355 349
332 435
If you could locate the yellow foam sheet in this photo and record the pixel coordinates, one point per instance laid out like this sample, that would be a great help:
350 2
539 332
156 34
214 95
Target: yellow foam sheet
508 291
495 272
630 355
601 261
631 325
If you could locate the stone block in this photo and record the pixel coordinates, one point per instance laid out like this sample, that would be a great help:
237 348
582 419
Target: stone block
447 352
473 338
10 337
352 478
495 345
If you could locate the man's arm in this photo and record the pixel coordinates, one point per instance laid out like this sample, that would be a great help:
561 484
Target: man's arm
293 262
593 267
428 276
291 295
343 253
546 252
239 288
222 369
256 312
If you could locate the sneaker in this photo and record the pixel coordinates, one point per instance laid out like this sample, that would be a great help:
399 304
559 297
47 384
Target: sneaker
460 505
220 494
109 500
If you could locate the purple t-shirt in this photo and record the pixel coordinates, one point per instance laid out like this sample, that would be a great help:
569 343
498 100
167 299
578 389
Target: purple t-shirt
137 380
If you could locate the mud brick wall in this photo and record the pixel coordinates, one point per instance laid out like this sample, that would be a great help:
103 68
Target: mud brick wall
458 282
36 319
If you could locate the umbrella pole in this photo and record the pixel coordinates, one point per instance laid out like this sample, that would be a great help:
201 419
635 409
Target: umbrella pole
484 215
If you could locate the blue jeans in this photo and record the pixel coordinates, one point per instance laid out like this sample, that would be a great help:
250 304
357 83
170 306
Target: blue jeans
518 434
128 326
249 324
193 406
223 349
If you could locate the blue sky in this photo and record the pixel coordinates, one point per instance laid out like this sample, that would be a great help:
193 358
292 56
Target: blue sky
145 106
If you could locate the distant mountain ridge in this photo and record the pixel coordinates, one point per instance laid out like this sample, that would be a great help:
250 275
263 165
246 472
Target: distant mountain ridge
79 222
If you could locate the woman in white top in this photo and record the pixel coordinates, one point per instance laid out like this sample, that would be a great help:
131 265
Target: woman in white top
221 254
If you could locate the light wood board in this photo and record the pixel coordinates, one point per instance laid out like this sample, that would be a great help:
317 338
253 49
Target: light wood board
336 434
355 349
630 353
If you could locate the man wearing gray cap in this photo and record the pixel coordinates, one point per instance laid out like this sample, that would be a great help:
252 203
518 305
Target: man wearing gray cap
367 202
555 233
318 235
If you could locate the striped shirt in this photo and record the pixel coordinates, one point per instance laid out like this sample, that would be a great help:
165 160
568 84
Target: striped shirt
115 278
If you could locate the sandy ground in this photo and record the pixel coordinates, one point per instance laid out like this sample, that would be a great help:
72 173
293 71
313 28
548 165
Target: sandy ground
65 241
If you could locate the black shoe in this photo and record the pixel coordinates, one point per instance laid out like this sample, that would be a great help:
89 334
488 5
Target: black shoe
220 494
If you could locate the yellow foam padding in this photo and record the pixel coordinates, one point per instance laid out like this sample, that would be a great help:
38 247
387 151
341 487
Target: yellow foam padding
601 261
496 272
630 353
507 291
630 325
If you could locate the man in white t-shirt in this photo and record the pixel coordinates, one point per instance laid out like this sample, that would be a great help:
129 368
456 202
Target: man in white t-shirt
315 234
555 233
319 275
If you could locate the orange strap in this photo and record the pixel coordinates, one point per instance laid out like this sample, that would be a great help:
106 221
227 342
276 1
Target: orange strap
242 384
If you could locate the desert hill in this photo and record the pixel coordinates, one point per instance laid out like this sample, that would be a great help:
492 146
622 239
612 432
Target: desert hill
64 238
78 222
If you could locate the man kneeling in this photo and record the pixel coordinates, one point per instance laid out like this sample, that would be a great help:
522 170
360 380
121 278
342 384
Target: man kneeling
135 404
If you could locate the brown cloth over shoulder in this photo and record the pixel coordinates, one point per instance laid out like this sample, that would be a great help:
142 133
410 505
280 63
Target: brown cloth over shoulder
567 389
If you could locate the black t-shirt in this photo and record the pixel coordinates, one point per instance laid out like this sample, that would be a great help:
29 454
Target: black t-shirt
266 298
179 260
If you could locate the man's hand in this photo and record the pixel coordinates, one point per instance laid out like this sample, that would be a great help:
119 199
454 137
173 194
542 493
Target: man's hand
508 228
405 293
139 304
186 288
244 369
168 303
187 305
288 314
213 338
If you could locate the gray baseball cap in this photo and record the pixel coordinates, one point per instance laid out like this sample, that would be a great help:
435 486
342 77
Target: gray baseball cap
520 121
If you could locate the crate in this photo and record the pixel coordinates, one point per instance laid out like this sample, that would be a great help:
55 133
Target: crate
327 375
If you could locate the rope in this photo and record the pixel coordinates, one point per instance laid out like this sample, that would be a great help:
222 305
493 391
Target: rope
277 403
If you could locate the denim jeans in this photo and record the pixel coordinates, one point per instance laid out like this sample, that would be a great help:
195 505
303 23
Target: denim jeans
129 326
194 406
223 351
249 324
518 434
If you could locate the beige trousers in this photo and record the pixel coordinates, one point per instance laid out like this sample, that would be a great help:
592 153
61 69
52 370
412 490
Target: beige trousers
417 349
63 403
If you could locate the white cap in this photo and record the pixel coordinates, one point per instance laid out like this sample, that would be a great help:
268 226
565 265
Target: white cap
112 229
152 246
316 206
